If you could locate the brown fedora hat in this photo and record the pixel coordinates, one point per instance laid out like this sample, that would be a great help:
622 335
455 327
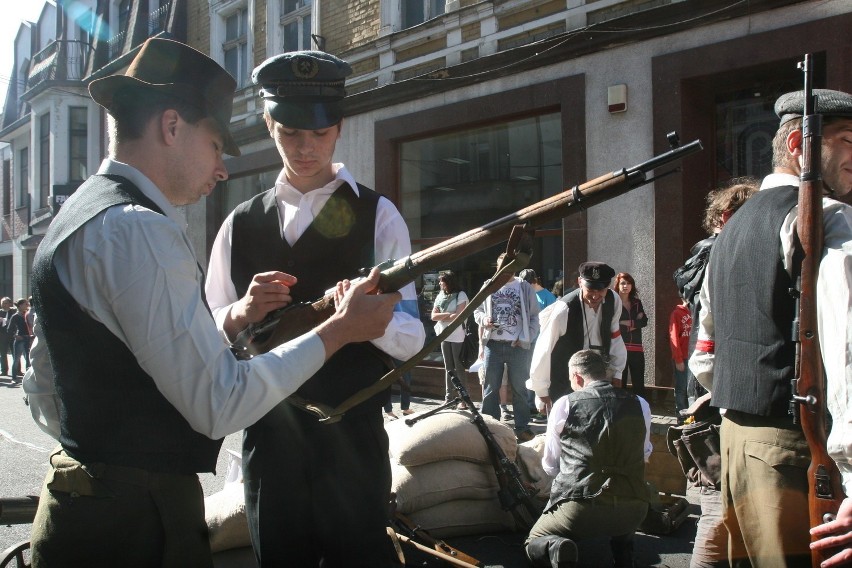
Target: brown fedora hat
176 69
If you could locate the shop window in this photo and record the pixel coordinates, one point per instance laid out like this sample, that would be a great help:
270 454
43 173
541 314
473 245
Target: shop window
458 181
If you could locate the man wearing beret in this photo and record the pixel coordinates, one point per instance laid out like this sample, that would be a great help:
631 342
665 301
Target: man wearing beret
745 352
586 318
129 372
316 494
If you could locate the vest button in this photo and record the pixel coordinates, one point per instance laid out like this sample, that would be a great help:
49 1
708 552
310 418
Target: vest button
291 263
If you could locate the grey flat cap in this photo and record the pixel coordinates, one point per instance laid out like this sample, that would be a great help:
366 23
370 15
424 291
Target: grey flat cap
828 103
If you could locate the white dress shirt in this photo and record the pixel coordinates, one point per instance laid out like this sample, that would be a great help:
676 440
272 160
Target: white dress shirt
554 324
135 271
834 319
556 423
404 336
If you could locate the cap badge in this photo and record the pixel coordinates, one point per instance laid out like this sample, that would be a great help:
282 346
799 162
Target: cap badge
304 67
596 273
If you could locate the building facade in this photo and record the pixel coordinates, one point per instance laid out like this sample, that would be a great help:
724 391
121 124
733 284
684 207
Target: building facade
54 133
462 112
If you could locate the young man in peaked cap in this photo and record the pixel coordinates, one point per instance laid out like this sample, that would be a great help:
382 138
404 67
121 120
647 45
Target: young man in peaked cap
129 371
745 352
316 494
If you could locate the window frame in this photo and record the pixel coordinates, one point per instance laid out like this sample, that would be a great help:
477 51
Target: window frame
23 171
296 16
44 159
431 9
238 44
220 12
82 134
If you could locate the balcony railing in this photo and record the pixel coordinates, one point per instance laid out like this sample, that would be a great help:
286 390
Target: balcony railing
157 22
61 60
157 19
116 44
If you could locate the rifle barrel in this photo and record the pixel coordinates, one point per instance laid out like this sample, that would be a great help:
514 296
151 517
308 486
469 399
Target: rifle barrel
302 318
545 211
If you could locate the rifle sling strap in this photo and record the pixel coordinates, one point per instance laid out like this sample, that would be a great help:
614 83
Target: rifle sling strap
329 415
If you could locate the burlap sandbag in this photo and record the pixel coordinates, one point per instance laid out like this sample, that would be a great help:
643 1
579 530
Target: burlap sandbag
529 462
423 486
464 517
447 435
225 512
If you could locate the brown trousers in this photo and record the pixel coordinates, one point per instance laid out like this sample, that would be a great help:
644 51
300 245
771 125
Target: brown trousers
101 515
765 490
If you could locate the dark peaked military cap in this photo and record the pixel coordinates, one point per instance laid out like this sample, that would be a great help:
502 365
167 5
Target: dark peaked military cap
303 89
596 275
828 103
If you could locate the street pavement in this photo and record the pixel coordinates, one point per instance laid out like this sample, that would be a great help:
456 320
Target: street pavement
24 451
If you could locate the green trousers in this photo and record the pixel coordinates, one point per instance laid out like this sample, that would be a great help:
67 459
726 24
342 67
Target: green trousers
100 515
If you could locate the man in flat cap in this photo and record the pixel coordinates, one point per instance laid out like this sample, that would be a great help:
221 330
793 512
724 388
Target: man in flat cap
129 372
745 352
586 318
316 494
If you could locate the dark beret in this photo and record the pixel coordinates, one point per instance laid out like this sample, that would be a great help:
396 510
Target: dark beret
596 275
303 89
828 103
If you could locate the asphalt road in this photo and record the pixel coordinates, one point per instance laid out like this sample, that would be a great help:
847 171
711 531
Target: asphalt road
24 451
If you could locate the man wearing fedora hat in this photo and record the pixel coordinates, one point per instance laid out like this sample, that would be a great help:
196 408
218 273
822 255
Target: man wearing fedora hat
316 494
129 371
745 354
587 318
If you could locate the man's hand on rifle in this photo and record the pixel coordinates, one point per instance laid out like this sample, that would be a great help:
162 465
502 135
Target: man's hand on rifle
268 291
359 315
836 534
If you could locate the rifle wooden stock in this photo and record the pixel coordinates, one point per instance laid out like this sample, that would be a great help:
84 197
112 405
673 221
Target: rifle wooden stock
290 322
824 488
415 531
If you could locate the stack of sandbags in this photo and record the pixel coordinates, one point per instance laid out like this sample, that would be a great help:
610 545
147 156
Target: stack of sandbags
443 477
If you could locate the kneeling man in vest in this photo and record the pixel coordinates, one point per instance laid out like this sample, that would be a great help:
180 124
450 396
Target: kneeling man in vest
597 443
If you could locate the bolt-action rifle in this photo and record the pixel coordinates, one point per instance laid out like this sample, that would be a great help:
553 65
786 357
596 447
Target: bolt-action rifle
824 488
514 495
281 325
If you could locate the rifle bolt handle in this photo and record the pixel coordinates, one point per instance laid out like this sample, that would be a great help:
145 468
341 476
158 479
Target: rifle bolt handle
828 517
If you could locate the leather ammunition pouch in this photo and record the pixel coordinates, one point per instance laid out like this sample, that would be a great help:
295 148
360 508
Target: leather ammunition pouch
697 449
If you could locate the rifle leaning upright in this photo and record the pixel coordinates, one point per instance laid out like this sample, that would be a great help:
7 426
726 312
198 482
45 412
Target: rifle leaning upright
292 321
824 487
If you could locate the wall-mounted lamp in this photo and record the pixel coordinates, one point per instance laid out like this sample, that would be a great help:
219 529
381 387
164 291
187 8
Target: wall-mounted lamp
616 98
